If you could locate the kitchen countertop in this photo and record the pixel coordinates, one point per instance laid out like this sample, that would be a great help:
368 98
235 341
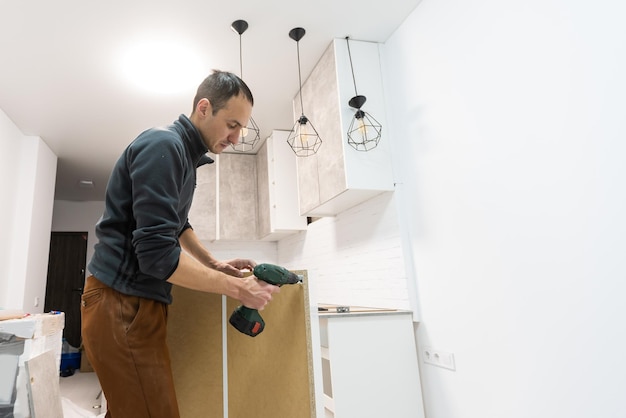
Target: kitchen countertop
326 310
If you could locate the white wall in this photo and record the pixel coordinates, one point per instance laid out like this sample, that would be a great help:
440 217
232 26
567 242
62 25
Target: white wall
10 138
28 190
70 216
508 125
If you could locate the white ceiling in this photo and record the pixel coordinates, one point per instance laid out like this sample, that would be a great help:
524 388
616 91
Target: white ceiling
60 78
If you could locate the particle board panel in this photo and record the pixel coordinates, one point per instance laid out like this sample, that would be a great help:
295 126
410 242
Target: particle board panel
195 340
270 375
43 387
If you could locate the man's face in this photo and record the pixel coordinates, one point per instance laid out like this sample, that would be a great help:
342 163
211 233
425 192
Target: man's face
224 128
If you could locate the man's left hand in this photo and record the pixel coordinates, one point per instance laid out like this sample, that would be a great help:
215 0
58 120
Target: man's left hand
234 267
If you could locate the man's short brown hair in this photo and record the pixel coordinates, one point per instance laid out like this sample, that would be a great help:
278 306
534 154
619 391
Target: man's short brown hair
219 87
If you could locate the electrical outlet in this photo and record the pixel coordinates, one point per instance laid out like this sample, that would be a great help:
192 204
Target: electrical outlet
438 358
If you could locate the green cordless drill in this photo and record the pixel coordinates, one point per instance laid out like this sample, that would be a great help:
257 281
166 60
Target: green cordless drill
249 321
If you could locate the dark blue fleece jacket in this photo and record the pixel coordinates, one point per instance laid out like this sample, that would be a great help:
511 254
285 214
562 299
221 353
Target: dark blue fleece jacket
146 206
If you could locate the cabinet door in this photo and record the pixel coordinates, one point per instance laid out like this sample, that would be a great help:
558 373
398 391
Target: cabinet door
225 201
370 367
237 191
279 213
264 200
321 177
203 212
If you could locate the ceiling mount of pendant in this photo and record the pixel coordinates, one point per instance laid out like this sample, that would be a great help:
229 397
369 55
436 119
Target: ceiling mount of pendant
251 134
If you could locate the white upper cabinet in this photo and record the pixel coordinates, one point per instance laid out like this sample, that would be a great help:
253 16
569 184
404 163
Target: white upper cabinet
225 200
244 197
338 176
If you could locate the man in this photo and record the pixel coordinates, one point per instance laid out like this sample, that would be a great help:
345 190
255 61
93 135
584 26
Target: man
145 245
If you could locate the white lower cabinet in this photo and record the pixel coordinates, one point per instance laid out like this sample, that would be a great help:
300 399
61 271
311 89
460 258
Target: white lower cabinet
221 373
369 365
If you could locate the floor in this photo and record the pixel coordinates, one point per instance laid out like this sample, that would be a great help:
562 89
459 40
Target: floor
80 395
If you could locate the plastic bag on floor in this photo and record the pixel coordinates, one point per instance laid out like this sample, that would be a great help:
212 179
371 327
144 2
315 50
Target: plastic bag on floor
71 410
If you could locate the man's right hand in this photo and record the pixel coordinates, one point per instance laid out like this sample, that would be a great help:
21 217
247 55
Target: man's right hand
255 293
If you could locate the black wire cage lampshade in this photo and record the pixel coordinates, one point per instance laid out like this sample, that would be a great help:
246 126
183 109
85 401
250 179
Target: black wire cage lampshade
250 134
364 132
303 138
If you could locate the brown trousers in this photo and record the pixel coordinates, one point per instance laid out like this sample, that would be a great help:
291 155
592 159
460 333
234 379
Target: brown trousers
125 341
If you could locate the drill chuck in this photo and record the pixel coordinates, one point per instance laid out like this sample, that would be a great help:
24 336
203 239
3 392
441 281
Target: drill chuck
275 275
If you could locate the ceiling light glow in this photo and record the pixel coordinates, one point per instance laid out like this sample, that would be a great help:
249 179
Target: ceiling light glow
162 67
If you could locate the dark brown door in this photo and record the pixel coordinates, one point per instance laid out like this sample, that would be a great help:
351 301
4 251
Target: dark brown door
66 276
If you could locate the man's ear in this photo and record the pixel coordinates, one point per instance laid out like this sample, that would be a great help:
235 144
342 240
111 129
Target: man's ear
204 107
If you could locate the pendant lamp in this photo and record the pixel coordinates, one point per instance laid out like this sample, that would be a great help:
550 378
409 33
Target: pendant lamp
303 138
250 134
364 131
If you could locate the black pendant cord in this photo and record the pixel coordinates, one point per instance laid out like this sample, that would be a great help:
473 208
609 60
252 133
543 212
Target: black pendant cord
240 59
250 134
240 26
351 67
357 101
300 78
303 138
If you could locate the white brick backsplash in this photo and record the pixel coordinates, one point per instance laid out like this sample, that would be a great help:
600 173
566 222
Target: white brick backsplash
354 258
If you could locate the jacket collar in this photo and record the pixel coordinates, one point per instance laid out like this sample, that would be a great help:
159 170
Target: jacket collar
193 141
